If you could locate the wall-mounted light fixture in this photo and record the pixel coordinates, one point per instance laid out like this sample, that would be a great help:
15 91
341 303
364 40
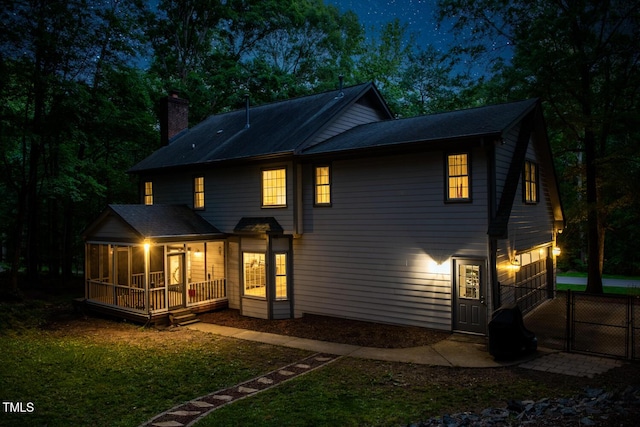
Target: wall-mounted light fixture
515 263
556 251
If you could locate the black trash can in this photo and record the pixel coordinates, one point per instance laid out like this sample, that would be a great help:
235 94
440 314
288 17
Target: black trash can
508 337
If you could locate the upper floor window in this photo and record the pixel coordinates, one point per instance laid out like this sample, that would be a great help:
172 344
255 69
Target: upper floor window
458 177
274 187
530 182
148 193
323 186
198 192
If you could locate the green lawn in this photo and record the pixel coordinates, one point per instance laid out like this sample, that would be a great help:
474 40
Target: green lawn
95 372
607 289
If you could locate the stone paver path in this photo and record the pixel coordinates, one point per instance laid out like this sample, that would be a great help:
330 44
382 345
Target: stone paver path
186 414
578 365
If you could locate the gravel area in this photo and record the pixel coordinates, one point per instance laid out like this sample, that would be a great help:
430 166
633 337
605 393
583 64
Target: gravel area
594 407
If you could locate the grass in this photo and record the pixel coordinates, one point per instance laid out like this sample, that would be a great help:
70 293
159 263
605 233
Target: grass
618 290
607 289
352 392
604 276
95 372
104 373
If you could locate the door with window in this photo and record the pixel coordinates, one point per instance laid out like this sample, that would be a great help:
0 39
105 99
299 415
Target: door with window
470 310
176 280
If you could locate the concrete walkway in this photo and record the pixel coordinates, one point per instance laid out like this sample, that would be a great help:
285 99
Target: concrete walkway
458 350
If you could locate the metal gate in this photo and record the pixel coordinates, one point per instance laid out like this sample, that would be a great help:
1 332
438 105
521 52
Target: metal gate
603 324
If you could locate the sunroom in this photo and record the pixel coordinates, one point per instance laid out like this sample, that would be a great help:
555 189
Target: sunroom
143 262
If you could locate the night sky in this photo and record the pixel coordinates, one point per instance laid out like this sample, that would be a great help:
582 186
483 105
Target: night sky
418 14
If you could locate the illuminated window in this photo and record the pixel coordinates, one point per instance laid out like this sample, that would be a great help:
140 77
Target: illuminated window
198 192
469 281
148 193
458 177
255 278
530 181
323 186
274 187
281 276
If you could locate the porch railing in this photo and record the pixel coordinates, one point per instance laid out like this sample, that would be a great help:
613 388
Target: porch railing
125 297
198 292
134 298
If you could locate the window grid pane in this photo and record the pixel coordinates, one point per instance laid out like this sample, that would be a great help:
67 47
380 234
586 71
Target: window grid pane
281 276
530 182
274 190
198 192
148 193
323 185
254 275
458 176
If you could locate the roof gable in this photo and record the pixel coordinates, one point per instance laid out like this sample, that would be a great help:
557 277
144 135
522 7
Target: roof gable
150 222
276 128
491 120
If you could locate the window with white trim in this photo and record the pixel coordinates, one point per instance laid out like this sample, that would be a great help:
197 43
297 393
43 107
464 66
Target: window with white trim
255 277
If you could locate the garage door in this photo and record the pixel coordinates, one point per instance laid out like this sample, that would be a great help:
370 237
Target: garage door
531 281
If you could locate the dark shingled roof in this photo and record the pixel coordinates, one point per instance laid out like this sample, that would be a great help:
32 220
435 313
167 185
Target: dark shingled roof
275 128
157 221
258 225
475 122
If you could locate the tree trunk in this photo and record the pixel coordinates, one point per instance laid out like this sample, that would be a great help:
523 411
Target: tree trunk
595 236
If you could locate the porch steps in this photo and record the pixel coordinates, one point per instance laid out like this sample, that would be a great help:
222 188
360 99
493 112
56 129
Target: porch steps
182 317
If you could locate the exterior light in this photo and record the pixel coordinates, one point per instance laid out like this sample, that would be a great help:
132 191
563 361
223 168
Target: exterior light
146 246
556 251
515 264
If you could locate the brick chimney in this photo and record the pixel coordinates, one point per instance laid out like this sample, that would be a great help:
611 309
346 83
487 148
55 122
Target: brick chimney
174 116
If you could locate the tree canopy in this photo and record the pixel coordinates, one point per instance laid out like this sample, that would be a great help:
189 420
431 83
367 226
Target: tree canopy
81 80
581 58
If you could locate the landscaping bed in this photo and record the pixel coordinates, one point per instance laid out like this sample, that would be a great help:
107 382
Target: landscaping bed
333 329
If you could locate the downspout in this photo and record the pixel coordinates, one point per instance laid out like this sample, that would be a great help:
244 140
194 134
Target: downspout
493 241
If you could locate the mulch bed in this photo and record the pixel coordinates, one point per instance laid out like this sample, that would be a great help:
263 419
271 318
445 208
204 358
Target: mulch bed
333 329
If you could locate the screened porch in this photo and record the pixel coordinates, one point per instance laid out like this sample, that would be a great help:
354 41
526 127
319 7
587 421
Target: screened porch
151 279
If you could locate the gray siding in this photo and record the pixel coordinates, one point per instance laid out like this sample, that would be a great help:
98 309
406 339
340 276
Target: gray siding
281 310
531 225
503 156
382 251
230 194
358 114
112 228
254 308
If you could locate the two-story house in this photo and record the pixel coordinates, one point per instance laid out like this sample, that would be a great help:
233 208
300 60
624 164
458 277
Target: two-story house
326 204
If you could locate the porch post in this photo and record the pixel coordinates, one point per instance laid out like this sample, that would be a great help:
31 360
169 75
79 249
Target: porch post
146 278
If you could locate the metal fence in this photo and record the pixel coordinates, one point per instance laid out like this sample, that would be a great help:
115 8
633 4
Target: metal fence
603 324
